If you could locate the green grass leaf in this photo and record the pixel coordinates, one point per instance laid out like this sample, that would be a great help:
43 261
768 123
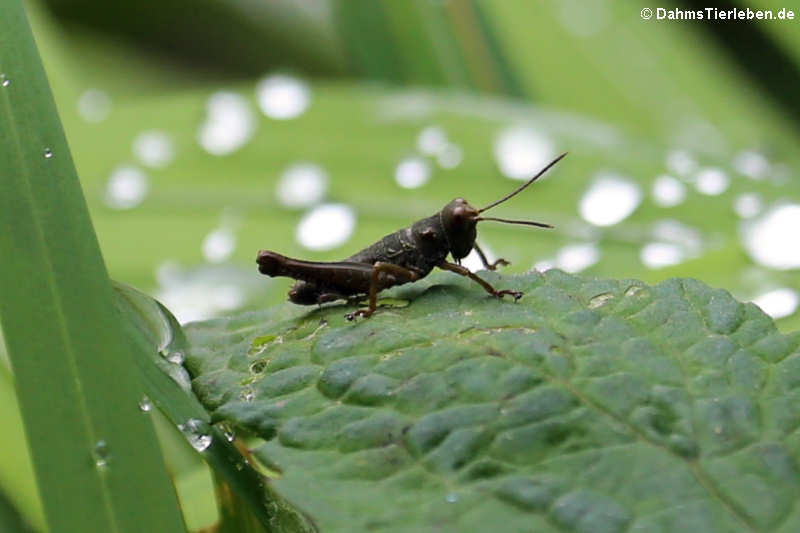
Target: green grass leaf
590 405
96 457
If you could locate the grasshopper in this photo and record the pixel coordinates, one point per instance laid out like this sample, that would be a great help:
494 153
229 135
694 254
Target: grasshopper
402 257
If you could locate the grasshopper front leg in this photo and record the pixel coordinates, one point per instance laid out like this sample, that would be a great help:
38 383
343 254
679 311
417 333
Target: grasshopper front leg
458 269
398 276
486 264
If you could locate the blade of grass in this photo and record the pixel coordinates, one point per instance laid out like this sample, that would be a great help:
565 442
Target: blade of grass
160 345
96 457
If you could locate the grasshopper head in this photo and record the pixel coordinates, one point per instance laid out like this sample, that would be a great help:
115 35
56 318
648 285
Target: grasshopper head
460 220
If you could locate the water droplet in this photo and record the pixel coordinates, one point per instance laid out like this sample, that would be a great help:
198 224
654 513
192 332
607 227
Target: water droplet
432 140
4 81
600 300
412 172
577 257
668 191
94 105
180 376
522 152
230 435
248 395
609 200
769 239
712 181
451 156
258 367
154 148
633 290
101 454
219 245
48 153
283 97
681 163
778 303
176 358
229 124
544 265
302 185
661 254
145 404
326 226
451 498
198 433
126 188
751 164
748 205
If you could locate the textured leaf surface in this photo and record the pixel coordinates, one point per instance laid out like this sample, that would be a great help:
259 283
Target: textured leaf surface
590 405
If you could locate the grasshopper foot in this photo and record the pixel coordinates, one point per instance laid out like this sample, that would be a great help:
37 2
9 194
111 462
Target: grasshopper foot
366 313
516 294
499 262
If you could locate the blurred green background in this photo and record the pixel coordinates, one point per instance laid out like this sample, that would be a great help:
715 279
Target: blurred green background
204 131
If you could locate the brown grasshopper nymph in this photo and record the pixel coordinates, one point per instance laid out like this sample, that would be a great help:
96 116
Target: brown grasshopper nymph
401 257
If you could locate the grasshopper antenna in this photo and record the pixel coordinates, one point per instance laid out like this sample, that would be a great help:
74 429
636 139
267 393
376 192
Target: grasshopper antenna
520 189
523 222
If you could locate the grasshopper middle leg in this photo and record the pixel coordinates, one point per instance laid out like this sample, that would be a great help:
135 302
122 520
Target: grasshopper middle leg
400 276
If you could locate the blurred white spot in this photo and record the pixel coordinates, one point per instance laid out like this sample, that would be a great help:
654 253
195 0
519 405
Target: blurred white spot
94 105
283 97
326 226
771 240
229 124
712 181
412 172
4 80
522 152
302 185
584 19
205 292
661 254
450 156
747 205
473 260
544 265
219 245
609 200
679 162
577 257
667 191
675 232
126 188
751 164
778 303
153 148
432 140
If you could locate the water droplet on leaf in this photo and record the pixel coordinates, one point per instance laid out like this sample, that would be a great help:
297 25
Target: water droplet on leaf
145 404
198 433
101 453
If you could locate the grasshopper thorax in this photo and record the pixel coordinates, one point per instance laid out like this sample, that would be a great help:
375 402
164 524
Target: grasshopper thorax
459 222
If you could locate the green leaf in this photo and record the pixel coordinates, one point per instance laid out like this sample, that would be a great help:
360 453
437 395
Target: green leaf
96 457
589 405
